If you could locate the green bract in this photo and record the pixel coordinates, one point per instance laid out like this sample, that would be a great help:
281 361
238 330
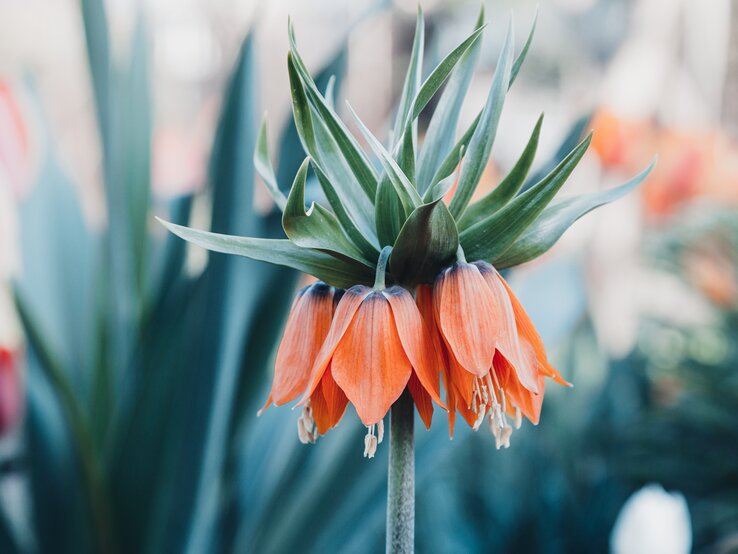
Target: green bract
403 204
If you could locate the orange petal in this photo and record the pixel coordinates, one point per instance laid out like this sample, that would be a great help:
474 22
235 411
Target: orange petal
508 344
345 311
527 331
422 400
466 316
424 300
416 340
328 402
369 363
265 406
549 371
462 380
466 412
451 400
306 329
529 403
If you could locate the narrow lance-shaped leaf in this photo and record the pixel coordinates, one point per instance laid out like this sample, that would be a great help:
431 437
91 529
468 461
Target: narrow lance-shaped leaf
451 161
493 235
439 136
572 138
508 187
432 84
318 143
332 270
481 142
263 165
412 80
354 156
389 214
405 191
426 243
317 227
439 75
447 166
524 52
344 218
558 217
443 187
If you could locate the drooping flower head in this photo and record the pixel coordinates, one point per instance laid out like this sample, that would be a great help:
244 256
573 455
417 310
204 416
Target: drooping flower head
417 257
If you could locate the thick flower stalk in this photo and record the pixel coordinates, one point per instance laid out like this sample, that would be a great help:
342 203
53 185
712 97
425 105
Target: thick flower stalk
410 307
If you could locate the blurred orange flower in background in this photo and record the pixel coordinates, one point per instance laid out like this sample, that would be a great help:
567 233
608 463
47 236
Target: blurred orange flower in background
692 164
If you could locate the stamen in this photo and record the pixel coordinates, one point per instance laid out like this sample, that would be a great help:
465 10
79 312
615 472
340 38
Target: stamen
518 418
302 432
306 431
480 419
380 431
370 442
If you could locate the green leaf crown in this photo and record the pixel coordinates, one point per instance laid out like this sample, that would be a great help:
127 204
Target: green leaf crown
399 202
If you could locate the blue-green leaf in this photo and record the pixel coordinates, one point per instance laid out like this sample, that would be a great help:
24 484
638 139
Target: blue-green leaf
426 243
571 139
439 136
369 251
389 215
412 81
451 161
490 237
524 52
317 227
318 142
352 153
558 217
406 192
481 142
508 187
332 270
263 165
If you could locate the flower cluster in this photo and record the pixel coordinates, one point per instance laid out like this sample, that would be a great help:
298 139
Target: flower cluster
366 345
412 221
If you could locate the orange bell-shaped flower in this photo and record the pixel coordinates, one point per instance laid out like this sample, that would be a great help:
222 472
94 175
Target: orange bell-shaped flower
377 345
513 382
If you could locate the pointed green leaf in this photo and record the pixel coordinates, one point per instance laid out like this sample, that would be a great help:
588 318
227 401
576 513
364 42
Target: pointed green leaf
492 236
329 92
441 188
508 187
557 218
572 138
442 127
412 80
263 165
429 88
319 144
407 194
317 227
344 218
451 161
388 214
481 142
332 270
524 52
352 153
427 242
439 75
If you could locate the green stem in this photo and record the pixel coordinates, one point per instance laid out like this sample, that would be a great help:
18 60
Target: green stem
379 280
401 478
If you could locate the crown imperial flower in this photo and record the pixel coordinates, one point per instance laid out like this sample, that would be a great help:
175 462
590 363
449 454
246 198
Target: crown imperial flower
397 239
